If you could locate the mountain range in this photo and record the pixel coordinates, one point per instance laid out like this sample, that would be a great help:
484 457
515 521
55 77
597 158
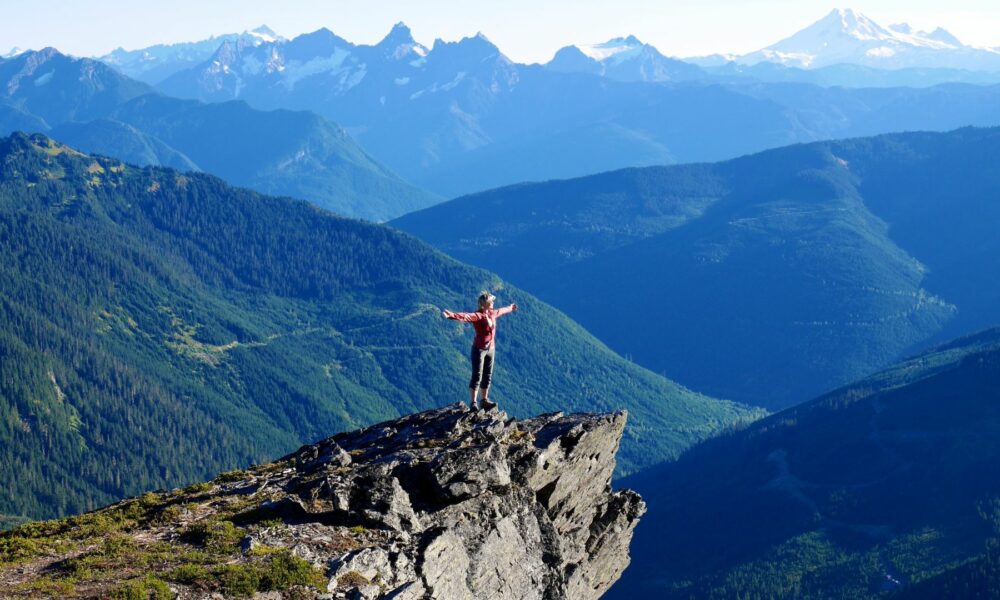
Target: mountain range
886 488
148 316
624 59
88 104
155 63
767 279
845 36
460 116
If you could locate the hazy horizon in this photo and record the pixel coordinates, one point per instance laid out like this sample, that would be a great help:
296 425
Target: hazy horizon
525 31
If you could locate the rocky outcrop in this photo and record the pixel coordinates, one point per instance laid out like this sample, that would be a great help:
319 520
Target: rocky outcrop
467 505
447 504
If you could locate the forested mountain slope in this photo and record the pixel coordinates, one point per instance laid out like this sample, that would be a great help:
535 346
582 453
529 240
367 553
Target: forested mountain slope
767 279
157 326
885 488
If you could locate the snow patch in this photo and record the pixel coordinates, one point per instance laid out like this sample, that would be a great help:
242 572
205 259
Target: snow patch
881 52
401 80
353 79
296 71
440 88
605 50
789 58
264 34
454 82
42 80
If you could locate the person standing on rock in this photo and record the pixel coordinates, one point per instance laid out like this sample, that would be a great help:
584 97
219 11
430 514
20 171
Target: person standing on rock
483 346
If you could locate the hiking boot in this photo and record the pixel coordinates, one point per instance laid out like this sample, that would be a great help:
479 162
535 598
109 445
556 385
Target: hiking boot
488 405
473 407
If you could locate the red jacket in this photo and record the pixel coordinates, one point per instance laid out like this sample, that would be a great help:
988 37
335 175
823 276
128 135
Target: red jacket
485 322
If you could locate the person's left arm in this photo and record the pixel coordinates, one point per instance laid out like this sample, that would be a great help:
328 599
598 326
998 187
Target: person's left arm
506 310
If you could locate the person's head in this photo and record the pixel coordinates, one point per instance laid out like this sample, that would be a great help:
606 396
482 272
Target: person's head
486 300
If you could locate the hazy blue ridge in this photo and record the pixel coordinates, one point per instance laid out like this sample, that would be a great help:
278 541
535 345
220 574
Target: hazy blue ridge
93 107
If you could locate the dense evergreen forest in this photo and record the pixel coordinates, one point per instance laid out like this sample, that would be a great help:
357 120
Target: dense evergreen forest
886 488
774 277
158 327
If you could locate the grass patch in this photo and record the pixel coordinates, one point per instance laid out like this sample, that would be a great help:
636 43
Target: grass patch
351 579
144 588
47 587
197 488
218 537
279 571
45 538
232 476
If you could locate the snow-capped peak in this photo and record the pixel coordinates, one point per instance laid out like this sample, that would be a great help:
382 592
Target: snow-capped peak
852 23
611 48
265 34
399 43
847 36
400 32
844 25
15 51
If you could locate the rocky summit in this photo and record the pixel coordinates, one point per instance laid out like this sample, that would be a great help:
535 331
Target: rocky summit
448 503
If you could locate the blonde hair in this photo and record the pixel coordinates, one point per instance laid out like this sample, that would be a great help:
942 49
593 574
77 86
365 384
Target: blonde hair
485 298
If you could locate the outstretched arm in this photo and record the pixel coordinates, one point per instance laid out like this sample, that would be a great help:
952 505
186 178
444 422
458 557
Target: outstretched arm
459 316
506 310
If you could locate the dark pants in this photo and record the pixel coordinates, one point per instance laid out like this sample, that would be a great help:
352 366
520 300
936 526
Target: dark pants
482 367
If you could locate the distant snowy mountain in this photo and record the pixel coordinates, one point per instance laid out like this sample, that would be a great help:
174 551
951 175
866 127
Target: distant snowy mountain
386 94
846 36
314 67
460 116
156 63
13 52
623 59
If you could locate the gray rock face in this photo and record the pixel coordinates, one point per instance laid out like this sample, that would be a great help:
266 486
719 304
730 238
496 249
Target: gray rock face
458 505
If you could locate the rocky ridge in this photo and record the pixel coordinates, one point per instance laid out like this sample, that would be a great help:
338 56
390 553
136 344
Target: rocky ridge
446 504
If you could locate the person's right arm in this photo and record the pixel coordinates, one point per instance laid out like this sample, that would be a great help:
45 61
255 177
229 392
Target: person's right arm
459 316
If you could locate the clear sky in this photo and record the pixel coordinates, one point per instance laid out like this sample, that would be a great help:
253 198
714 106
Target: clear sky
526 30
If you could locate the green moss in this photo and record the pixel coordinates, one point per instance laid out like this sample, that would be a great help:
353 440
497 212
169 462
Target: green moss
145 588
47 587
189 574
352 579
219 537
17 549
231 476
198 488
239 580
169 514
285 570
265 550
279 571
117 545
